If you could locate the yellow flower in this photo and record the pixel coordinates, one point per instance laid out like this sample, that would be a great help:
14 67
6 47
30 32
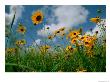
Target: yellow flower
95 20
62 34
89 52
69 48
73 34
73 41
20 42
89 42
45 48
56 32
83 38
88 37
23 42
10 50
94 37
50 37
62 29
37 17
21 29
81 70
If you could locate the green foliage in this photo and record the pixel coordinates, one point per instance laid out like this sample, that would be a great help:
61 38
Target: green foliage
54 62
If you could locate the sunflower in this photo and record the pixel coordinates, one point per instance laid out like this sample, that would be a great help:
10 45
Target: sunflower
20 42
45 48
88 43
10 50
69 48
73 34
83 38
23 42
95 20
96 32
73 41
37 17
21 29
62 29
62 34
89 52
81 70
50 37
56 32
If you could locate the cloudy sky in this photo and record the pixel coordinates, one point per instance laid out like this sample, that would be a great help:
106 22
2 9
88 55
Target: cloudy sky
54 16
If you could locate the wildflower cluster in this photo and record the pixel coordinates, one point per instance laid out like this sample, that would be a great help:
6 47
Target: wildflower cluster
80 52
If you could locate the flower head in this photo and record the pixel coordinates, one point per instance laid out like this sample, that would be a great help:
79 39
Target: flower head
56 32
20 42
74 40
89 42
37 17
73 34
50 37
69 48
62 29
95 20
45 48
81 70
23 42
10 50
96 32
21 29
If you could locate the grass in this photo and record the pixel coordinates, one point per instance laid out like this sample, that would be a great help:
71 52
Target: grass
51 62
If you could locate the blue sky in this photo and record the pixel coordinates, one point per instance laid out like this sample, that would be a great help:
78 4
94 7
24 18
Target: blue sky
25 19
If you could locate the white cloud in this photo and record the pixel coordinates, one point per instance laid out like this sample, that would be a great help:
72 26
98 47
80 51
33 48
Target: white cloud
71 15
66 16
13 9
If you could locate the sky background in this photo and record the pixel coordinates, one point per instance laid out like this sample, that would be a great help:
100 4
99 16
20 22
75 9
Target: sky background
54 17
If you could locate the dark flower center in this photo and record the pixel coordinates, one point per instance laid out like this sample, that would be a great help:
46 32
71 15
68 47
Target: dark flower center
73 40
86 43
82 37
71 48
96 32
46 48
22 29
97 20
74 33
38 18
58 31
62 29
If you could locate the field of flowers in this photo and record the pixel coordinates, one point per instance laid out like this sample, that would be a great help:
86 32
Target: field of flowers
81 52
